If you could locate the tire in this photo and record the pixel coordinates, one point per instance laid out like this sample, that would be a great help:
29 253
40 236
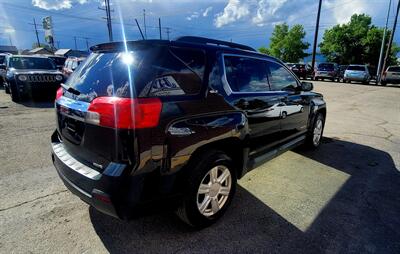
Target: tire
317 128
15 97
284 114
202 207
6 89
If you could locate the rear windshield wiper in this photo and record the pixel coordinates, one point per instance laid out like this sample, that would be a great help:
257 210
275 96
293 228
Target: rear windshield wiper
71 89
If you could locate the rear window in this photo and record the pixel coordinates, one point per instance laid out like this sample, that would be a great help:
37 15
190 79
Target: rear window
326 66
394 69
149 72
356 68
2 59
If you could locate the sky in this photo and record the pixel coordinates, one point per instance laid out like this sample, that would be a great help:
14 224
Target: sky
249 22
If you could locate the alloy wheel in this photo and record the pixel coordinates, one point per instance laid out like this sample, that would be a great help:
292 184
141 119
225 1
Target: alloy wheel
214 190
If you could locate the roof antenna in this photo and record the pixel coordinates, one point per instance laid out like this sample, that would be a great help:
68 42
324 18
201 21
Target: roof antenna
140 30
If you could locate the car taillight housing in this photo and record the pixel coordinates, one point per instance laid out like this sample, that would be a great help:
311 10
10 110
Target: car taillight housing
59 93
124 113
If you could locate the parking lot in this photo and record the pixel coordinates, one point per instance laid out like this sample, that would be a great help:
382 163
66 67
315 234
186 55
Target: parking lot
342 198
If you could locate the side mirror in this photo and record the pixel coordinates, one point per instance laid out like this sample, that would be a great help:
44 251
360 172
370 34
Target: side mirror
307 86
2 67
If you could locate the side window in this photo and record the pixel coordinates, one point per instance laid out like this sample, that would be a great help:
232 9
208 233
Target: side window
174 71
246 74
280 78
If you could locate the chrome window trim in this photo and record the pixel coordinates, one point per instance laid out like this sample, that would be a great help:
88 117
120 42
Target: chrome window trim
229 90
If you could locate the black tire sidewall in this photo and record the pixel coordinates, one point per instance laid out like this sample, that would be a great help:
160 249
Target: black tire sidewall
204 164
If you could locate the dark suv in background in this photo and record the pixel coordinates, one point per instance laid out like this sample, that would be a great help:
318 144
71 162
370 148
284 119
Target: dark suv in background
177 123
327 71
30 75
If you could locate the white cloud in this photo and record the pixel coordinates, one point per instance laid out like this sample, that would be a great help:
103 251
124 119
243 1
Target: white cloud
233 11
57 4
267 10
207 10
194 15
342 10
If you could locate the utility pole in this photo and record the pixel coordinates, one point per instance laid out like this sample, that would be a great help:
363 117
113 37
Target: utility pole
108 18
76 47
316 36
36 32
144 23
159 27
87 42
9 37
378 70
391 38
168 31
140 30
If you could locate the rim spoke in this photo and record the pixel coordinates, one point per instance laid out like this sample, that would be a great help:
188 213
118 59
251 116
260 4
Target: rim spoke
224 191
205 204
214 174
204 188
214 205
224 176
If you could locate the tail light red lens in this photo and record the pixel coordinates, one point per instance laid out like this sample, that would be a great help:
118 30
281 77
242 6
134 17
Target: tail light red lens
124 113
59 93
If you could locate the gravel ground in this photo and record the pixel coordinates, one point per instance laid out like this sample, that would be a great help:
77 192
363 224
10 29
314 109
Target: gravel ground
342 198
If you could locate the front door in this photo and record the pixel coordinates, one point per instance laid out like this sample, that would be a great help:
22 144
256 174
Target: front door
294 105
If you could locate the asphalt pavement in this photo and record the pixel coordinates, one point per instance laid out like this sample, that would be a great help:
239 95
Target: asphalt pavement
341 198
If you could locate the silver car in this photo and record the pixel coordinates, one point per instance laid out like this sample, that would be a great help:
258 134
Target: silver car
358 73
391 75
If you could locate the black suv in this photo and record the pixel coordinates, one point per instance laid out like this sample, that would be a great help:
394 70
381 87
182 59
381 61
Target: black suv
177 122
27 75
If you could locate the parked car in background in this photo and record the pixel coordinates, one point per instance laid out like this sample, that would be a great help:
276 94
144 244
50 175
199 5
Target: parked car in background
59 61
356 72
3 57
302 70
71 64
341 70
27 75
177 123
327 71
391 75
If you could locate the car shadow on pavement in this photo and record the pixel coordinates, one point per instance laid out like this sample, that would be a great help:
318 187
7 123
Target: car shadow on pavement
362 217
39 102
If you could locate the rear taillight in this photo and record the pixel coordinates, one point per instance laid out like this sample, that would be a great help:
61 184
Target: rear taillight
124 113
59 93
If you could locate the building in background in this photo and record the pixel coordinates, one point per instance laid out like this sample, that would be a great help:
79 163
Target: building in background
41 51
71 53
8 49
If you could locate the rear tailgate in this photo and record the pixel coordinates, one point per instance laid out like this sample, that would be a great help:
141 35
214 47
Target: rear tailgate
91 144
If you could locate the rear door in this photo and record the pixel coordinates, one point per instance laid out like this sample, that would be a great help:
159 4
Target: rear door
247 80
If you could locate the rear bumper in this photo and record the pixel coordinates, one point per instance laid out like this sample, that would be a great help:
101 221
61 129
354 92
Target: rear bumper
391 80
355 78
103 192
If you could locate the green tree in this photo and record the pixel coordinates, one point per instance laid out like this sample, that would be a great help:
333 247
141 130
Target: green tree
287 44
358 41
264 50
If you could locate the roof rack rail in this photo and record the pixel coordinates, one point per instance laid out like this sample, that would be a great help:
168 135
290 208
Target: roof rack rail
203 40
